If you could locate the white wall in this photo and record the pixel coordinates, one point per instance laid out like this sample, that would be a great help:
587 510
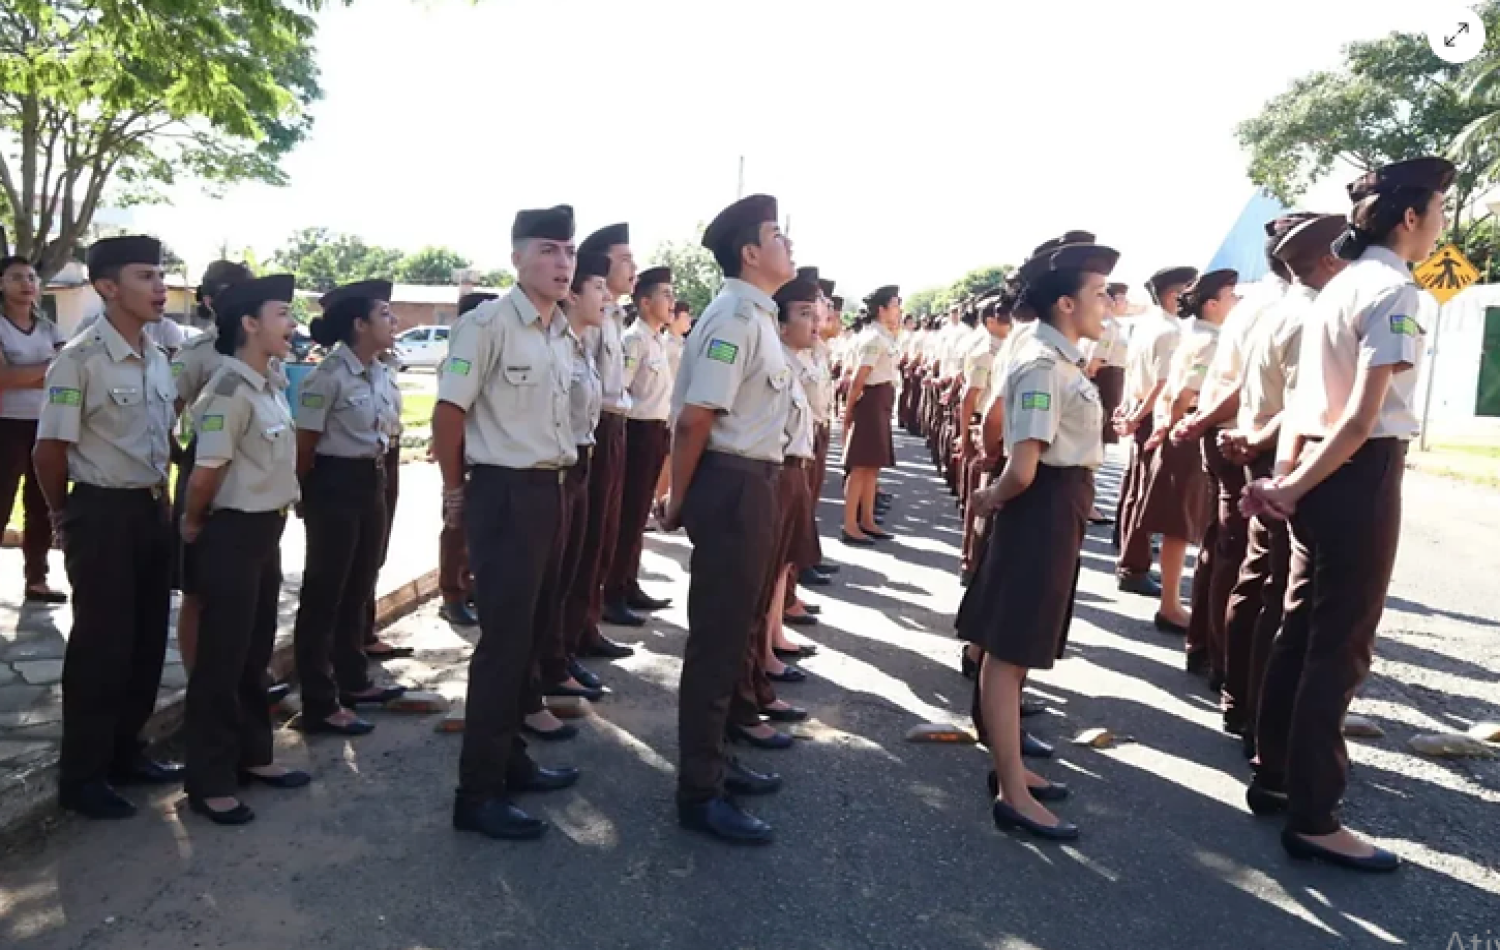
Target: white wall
1458 330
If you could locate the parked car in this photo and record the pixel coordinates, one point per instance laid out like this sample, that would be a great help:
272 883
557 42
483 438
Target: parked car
422 346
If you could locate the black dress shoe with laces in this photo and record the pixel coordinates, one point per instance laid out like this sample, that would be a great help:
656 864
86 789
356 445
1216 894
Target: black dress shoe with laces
495 818
458 613
1381 862
608 649
1034 748
96 800
775 741
543 780
724 819
147 771
585 676
618 615
741 780
1007 818
640 600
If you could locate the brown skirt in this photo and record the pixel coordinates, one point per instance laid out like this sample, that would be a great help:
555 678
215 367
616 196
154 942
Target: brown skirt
1178 501
1021 602
796 515
869 444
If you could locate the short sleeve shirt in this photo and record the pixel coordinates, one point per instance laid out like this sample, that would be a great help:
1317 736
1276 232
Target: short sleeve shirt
648 374
1049 399
512 375
585 394
244 424
1226 374
673 345
734 365
352 406
35 347
1149 358
817 380
1196 348
799 416
194 364
1271 358
113 402
609 355
877 350
981 361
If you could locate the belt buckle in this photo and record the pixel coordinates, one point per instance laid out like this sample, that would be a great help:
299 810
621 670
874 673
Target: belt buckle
562 475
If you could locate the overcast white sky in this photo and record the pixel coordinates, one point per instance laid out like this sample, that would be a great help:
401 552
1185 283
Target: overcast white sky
908 142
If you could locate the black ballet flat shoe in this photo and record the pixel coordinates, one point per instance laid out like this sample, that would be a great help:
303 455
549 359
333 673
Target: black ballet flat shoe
813 610
276 692
640 600
1381 862
1264 802
292 778
544 780
581 692
724 819
826 569
880 535
351 701
45 596
1032 707
96 800
799 620
1051 792
792 674
607 649
585 677
787 656
354 727
789 714
618 615
808 577
968 666
740 779
1034 748
496 818
776 742
856 541
1140 584
1164 625
238 815
562 733
145 770
1007 818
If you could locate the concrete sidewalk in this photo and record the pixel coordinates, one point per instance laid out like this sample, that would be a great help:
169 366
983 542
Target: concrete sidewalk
33 640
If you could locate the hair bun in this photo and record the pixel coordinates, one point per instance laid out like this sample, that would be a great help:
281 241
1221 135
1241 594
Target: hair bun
322 332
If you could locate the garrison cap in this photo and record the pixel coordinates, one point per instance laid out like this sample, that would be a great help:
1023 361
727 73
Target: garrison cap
552 224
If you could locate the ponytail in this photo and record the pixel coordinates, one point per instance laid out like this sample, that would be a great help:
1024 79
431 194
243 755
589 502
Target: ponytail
1374 218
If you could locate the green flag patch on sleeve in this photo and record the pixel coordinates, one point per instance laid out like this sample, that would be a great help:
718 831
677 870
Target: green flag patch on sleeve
216 423
64 396
723 351
1040 402
1403 326
176 370
459 367
312 401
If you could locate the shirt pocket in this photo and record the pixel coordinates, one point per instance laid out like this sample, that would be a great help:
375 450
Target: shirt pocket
522 386
360 411
277 438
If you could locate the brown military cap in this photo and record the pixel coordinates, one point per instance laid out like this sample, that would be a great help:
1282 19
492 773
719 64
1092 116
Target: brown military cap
369 289
1319 230
1432 173
882 296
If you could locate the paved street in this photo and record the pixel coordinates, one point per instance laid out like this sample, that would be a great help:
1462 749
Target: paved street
881 843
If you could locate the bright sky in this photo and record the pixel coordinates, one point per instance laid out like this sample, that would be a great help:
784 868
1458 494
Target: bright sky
906 146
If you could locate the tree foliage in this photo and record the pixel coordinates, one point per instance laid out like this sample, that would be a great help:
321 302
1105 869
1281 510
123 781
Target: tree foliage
938 299
500 277
323 259
430 265
115 100
695 274
1391 99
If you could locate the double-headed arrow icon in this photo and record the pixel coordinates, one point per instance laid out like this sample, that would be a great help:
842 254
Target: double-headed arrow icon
1448 41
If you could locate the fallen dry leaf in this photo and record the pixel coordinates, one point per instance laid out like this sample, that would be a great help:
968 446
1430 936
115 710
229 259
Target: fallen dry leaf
1452 746
940 732
1358 727
418 701
1486 731
1100 738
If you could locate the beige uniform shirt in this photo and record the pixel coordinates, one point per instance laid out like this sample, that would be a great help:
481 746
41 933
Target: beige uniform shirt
605 343
1366 316
1149 357
114 403
585 393
817 380
798 441
1000 374
1196 347
27 349
949 360
734 365
512 377
243 421
165 333
1271 358
673 345
1111 347
352 405
1227 372
648 375
194 364
877 350
1049 399
979 365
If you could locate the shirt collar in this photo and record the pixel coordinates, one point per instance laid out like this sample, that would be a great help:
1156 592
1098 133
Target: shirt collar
755 295
1048 334
255 379
529 314
119 349
1387 257
350 360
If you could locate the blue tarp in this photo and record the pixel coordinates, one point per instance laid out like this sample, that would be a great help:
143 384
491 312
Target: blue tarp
1244 247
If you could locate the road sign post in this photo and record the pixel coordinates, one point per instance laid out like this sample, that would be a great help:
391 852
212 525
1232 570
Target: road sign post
1445 275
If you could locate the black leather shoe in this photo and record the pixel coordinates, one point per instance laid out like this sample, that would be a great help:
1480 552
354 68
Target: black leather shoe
354 727
584 692
808 577
829 569
1051 792
640 600
1264 801
1163 625
967 665
724 819
457 612
789 714
544 780
855 541
292 778
812 610
238 815
276 692
965 578
788 656
741 780
1034 748
96 800
608 649
1007 818
147 771
496 818
585 677
1099 518
792 674
45 595
562 733
1198 663
1141 584
1032 707
1381 862
385 695
880 535
617 614
884 498
776 741
1247 745
799 620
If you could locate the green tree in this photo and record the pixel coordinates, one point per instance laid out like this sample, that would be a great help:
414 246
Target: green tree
117 100
500 277
922 303
430 265
323 259
1390 100
695 274
1483 94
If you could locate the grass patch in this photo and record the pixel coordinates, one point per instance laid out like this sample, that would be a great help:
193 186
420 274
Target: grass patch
416 410
1477 451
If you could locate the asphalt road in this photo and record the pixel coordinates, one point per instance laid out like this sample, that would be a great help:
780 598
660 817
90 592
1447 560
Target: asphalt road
881 843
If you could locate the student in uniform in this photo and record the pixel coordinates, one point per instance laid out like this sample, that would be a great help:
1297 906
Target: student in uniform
1350 420
28 344
106 427
559 673
1253 614
243 483
674 337
346 420
503 437
648 383
455 582
814 369
607 467
730 402
995 311
1107 357
1019 606
867 423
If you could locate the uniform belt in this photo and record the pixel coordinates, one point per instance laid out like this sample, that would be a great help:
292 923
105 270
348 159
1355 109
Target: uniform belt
543 476
792 461
740 463
377 461
585 452
155 492
612 411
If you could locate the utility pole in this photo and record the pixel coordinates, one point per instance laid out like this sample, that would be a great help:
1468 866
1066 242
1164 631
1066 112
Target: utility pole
739 191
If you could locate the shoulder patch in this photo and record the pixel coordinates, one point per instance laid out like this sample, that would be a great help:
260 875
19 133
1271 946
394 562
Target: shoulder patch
214 423
64 396
311 400
722 351
458 367
1040 402
1404 326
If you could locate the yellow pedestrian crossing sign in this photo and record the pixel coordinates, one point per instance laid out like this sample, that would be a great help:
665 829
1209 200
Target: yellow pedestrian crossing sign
1446 274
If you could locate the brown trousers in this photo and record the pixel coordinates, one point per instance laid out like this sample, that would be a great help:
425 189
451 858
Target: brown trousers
646 445
1344 538
817 474
1220 555
117 546
730 513
557 647
17 436
1254 611
1134 542
1111 383
511 517
585 599
227 722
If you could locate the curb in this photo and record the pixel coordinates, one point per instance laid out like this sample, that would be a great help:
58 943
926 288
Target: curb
28 798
